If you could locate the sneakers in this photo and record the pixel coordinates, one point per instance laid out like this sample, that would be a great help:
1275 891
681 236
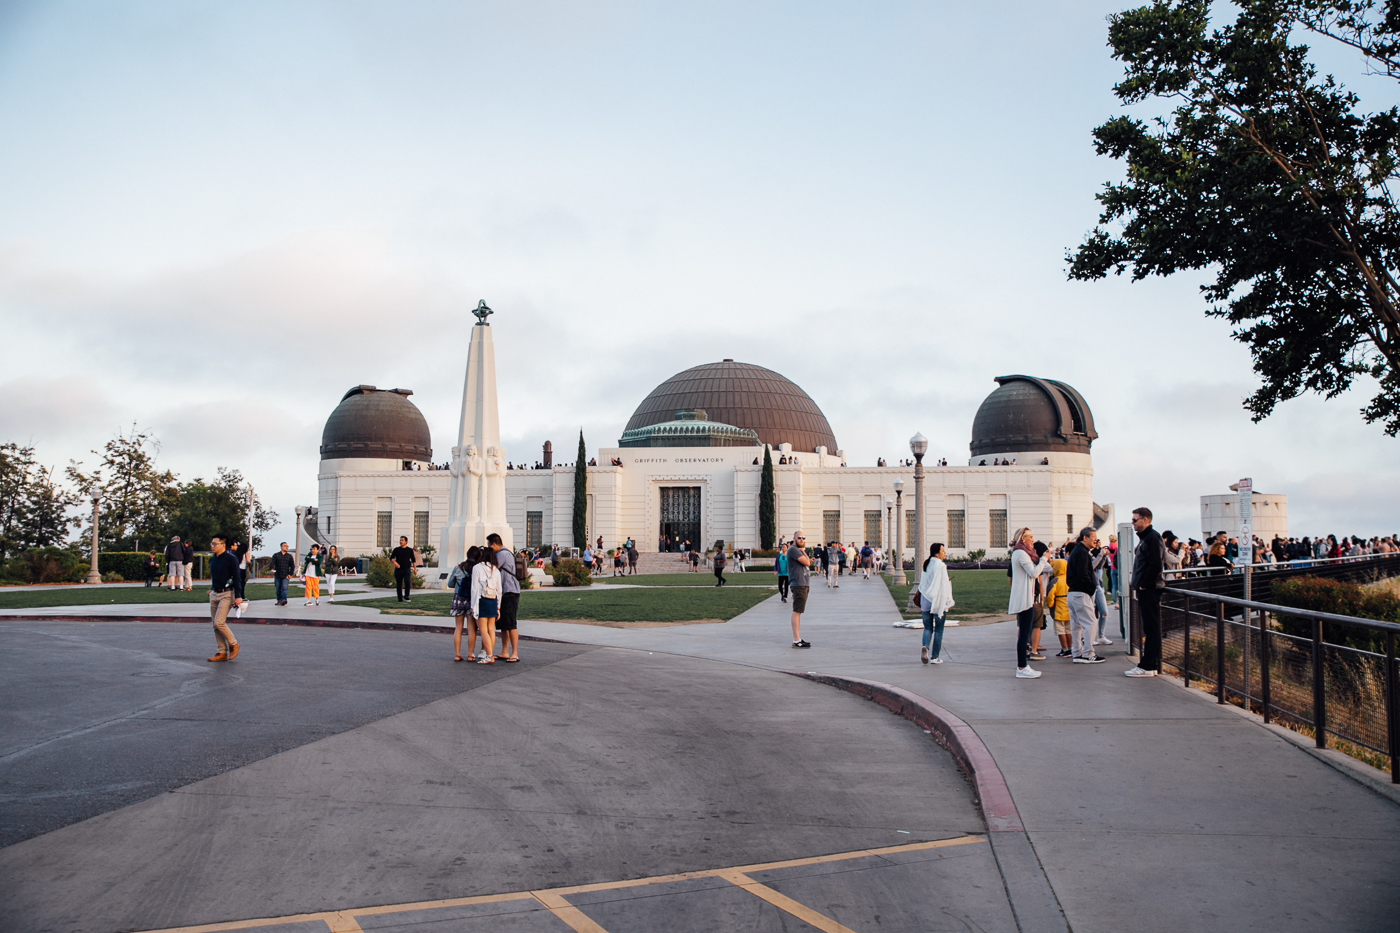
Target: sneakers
1064 653
1027 673
1139 672
1103 641
801 644
936 661
1090 659
923 654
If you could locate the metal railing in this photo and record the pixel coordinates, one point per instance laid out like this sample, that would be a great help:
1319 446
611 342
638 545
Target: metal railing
1363 568
1333 674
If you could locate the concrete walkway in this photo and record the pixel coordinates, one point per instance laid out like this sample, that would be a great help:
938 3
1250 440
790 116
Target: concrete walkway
1148 806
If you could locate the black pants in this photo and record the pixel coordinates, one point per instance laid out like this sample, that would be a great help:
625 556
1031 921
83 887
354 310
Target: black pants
783 587
1024 619
403 584
719 575
1150 610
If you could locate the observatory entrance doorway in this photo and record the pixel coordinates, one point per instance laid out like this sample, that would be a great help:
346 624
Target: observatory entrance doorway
680 518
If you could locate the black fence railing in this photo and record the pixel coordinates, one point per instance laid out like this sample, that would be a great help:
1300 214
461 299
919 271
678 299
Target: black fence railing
1330 674
1363 569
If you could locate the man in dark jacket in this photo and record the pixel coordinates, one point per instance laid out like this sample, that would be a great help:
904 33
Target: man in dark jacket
1083 617
284 566
225 592
174 563
1149 560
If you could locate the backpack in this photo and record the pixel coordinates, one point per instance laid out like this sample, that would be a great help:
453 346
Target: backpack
522 569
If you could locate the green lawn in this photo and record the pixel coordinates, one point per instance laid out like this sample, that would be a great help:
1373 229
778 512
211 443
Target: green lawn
704 578
975 592
605 604
108 595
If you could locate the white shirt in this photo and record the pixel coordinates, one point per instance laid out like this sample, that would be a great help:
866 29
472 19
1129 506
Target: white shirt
1023 577
935 589
486 584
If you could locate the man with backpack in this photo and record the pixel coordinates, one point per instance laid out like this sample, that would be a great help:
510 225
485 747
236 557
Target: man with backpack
512 572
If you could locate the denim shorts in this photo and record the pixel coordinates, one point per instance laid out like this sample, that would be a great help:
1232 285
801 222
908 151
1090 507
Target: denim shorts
486 608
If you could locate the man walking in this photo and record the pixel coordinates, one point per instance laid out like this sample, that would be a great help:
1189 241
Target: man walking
1083 614
174 563
800 584
225 592
284 565
506 622
632 556
402 559
1147 583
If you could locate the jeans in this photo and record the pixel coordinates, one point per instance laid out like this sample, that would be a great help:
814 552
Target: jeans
1100 608
1113 582
1024 618
933 629
783 586
1150 609
281 582
1083 622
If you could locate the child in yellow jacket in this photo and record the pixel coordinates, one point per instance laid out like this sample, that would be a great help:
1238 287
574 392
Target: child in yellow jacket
1057 604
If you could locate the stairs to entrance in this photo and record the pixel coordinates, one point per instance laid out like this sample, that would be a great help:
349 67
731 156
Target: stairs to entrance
657 562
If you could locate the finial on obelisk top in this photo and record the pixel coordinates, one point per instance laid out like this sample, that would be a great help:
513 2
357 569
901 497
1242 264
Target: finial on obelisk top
481 311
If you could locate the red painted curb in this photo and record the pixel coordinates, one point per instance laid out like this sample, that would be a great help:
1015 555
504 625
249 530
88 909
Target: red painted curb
998 809
246 620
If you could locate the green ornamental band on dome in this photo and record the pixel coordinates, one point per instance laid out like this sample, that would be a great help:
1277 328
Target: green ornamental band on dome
690 429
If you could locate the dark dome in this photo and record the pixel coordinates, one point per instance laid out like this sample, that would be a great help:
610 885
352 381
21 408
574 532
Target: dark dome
742 395
370 423
1027 413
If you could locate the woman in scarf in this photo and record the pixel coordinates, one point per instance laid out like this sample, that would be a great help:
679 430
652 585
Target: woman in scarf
935 599
1026 568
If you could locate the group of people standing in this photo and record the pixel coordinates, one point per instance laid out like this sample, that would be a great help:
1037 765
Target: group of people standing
486 599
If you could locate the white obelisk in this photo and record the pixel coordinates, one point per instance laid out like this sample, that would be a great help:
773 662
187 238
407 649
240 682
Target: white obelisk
476 503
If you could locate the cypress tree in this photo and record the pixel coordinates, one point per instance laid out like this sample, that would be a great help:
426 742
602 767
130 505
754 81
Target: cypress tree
767 504
581 495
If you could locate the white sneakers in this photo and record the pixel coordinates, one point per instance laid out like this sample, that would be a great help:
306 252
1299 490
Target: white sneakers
1103 641
1027 673
1139 672
923 654
936 661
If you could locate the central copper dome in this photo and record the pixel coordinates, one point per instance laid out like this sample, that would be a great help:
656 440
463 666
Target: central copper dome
745 396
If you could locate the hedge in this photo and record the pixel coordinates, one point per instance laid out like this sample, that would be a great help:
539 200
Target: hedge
1338 597
130 564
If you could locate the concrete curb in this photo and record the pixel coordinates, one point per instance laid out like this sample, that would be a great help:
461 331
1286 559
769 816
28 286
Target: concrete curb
246 620
1033 901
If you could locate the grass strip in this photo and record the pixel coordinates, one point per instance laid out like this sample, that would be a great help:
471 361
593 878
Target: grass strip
124 595
604 604
706 578
975 592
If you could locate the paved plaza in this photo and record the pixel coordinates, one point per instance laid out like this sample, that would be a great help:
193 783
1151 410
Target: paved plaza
638 779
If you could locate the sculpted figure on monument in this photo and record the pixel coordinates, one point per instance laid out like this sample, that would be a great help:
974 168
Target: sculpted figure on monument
495 483
475 467
456 500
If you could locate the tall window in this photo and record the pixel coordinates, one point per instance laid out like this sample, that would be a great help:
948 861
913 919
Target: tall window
1069 524
911 534
874 527
831 525
420 530
534 529
957 528
383 529
997 521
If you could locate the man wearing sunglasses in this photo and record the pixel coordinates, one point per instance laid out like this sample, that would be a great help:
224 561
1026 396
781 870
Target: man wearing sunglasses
799 584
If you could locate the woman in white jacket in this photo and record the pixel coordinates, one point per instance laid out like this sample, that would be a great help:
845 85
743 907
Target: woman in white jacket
485 601
1026 568
935 599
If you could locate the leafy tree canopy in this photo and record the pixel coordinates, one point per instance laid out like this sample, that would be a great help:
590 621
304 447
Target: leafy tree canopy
1267 174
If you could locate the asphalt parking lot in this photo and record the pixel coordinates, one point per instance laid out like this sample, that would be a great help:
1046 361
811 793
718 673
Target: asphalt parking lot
339 773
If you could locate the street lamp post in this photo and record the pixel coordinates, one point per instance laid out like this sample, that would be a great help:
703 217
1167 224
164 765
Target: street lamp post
899 532
918 445
94 575
889 531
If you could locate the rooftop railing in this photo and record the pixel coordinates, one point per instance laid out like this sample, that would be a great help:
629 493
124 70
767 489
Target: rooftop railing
1330 675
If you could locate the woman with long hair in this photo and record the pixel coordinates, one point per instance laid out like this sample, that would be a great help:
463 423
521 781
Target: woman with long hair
935 599
486 601
460 583
1026 568
332 571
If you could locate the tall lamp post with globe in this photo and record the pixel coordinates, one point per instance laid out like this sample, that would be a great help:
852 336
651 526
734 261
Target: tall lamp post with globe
918 446
898 567
94 575
889 533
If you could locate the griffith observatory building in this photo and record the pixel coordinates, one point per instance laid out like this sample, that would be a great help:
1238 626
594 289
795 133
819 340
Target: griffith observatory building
688 465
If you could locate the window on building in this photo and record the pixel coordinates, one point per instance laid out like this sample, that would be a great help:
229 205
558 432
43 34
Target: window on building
831 525
384 529
911 534
957 528
534 529
1069 524
420 530
997 522
874 527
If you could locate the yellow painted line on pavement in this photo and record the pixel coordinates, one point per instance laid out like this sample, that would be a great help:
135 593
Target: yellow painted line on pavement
784 903
575 918
343 921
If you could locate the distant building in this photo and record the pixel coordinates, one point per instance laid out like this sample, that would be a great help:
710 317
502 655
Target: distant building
1269 516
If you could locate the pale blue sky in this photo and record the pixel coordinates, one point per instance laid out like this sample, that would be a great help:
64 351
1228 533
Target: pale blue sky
216 217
